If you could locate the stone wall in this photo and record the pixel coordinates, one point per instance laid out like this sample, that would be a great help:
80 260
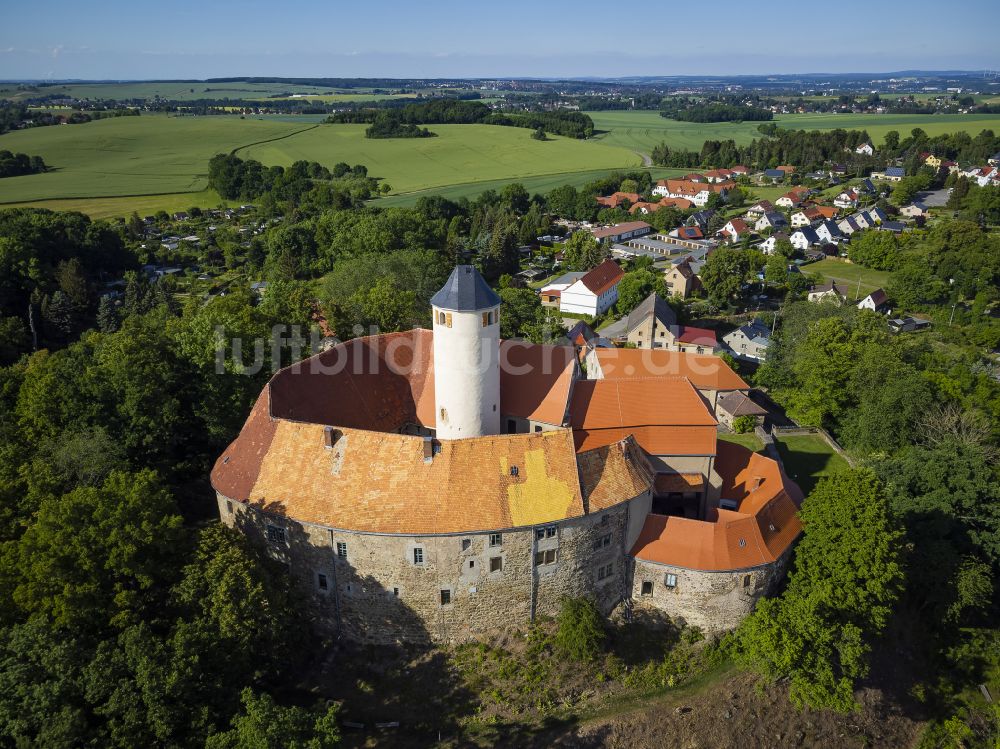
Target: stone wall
713 601
387 588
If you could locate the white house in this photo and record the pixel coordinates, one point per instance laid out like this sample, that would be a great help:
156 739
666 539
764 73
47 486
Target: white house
877 301
800 219
595 292
771 220
914 209
736 229
866 149
827 231
767 246
804 238
828 291
846 199
749 341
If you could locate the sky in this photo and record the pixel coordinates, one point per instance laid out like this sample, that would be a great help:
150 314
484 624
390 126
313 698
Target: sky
138 39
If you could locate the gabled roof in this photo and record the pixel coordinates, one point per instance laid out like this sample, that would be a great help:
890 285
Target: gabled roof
878 297
705 371
738 404
895 171
603 277
653 305
698 336
611 231
465 291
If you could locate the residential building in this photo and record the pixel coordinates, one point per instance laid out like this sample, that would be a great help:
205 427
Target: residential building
877 301
736 404
621 232
551 293
772 220
827 292
681 280
749 341
650 323
595 292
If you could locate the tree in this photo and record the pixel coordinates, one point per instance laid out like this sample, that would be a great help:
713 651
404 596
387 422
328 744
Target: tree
386 305
59 315
107 315
727 270
891 141
580 633
846 579
583 252
744 424
878 250
97 555
636 286
266 725
776 270
73 283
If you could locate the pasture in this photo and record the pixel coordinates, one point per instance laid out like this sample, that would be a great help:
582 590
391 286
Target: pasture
172 90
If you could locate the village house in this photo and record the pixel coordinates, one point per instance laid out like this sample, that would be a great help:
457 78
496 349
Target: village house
733 405
772 220
827 292
681 280
804 238
735 230
877 301
914 209
792 198
891 174
866 149
650 323
757 210
749 341
594 293
847 199
769 244
828 232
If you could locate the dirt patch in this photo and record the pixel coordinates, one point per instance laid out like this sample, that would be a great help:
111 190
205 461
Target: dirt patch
741 712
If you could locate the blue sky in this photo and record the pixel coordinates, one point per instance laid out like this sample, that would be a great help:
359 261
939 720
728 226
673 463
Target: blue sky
215 38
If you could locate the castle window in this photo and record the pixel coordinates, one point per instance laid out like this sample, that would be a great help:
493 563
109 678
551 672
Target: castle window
496 539
513 470
647 587
746 581
603 542
321 582
229 507
440 318
445 597
546 532
275 535
472 564
605 519
342 550
447 320
486 319
395 592
496 564
545 557
605 571
466 543
418 555
671 581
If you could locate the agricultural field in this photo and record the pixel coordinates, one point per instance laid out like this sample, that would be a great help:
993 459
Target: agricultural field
640 131
173 90
849 274
146 155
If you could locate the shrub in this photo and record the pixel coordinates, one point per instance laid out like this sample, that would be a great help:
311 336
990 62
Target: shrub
744 424
581 629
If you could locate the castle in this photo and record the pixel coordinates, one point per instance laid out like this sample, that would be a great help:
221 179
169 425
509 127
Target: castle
445 485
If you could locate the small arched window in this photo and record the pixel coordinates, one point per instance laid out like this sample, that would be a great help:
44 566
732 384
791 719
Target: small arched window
440 318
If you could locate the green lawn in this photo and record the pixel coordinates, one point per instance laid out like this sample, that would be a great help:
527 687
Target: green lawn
808 458
848 274
750 441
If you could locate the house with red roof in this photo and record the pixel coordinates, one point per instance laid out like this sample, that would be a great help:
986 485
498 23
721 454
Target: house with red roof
595 292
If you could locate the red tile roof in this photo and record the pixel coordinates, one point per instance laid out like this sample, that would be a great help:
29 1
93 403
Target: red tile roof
604 276
701 336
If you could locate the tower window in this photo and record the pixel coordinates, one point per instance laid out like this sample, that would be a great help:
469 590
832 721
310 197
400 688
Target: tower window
342 549
447 320
321 582
486 319
445 597
647 587
418 555
440 318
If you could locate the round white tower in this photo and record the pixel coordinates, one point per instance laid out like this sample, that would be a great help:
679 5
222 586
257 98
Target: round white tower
466 356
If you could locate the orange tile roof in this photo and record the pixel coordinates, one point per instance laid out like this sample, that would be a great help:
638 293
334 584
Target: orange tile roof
535 380
610 231
759 532
666 415
681 203
378 482
705 371
686 187
613 472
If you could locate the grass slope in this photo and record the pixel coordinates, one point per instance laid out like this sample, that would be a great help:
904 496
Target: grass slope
129 155
808 458
461 154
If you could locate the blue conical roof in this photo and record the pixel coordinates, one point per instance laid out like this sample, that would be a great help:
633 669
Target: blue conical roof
465 291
